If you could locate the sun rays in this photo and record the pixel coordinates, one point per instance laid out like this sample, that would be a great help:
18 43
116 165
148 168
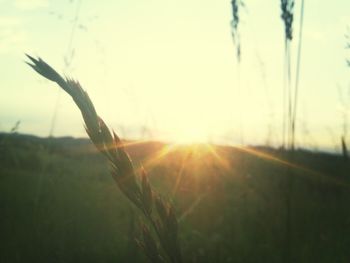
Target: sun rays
292 165
198 158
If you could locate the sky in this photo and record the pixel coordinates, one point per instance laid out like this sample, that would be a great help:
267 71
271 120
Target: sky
160 69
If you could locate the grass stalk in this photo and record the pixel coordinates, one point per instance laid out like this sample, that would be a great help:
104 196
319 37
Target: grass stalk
236 4
235 33
138 191
287 16
297 76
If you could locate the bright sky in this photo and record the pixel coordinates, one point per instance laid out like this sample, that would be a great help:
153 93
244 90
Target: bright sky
167 69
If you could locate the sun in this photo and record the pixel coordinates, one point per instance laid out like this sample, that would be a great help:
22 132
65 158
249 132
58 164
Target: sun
190 136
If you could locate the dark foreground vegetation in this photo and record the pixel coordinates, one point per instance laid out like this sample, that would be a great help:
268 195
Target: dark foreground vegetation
58 202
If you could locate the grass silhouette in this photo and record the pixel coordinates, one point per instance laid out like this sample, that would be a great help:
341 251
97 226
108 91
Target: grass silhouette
164 223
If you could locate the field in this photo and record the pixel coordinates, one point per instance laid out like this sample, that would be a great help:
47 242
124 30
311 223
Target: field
58 202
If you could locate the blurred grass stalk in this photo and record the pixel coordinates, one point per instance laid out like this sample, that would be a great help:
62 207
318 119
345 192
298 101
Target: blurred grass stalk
345 105
236 6
287 9
164 222
287 16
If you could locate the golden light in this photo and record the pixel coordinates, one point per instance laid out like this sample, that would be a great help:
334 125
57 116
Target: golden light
188 136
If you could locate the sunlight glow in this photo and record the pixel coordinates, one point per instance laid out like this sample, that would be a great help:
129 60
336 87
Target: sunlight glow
158 156
195 135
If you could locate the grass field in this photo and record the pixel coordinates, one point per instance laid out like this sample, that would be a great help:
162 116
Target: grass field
58 202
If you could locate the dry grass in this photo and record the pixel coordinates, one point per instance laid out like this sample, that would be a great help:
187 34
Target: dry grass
236 4
138 191
287 7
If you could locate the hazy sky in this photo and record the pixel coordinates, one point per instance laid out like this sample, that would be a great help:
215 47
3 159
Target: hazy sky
170 66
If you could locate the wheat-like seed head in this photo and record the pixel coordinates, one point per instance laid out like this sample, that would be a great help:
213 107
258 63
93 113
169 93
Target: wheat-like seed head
236 4
110 145
287 7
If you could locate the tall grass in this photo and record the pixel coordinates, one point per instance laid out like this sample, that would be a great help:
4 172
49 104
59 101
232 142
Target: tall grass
236 4
137 189
287 16
297 76
346 106
287 9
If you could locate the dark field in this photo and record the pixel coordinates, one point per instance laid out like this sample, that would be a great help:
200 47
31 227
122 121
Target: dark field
58 203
